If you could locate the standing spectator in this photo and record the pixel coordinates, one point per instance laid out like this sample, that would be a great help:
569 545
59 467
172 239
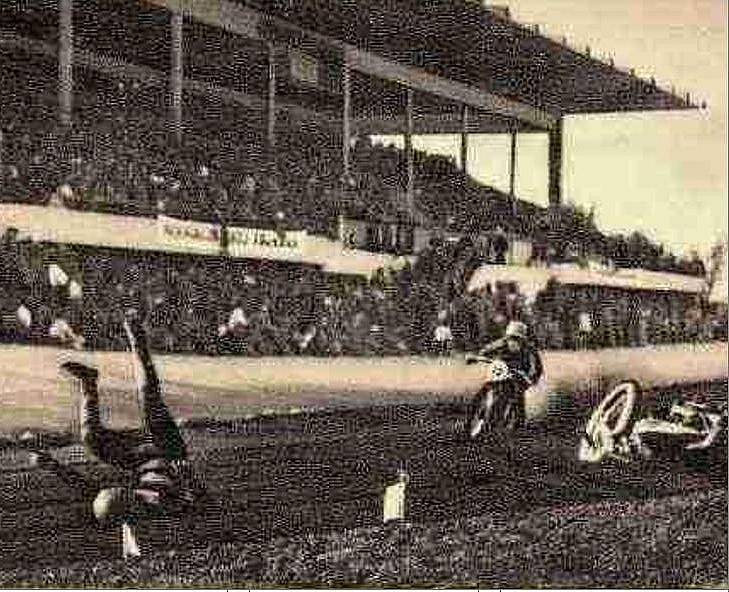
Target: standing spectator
304 339
233 334
500 246
513 302
584 328
223 208
157 194
644 325
610 319
443 336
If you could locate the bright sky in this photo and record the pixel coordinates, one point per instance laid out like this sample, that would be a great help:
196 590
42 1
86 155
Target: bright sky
664 174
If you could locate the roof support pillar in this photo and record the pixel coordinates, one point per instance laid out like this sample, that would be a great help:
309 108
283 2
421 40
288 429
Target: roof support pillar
176 74
513 154
464 140
512 164
346 116
410 161
65 61
555 164
271 109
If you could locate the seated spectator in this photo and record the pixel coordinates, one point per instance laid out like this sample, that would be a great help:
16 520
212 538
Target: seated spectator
303 341
11 184
237 324
443 340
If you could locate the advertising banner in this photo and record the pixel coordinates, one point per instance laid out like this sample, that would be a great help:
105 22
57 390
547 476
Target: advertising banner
243 242
188 236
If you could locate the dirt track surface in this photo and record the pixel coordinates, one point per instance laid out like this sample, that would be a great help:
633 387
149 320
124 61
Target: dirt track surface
298 500
33 395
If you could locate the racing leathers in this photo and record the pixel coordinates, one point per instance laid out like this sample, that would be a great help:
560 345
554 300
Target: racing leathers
524 363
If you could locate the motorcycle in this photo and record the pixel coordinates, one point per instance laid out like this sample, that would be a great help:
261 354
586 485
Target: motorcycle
496 406
625 429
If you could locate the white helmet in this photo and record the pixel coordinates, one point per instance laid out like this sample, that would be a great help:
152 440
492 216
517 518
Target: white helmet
517 330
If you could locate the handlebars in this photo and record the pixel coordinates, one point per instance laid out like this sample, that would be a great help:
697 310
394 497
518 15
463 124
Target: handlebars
481 359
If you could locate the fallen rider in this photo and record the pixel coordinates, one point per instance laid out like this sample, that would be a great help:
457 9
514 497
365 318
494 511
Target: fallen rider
154 459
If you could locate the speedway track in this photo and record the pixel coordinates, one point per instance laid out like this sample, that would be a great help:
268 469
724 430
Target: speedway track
323 473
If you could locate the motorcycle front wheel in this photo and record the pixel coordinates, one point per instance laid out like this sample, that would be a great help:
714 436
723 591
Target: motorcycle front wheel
481 412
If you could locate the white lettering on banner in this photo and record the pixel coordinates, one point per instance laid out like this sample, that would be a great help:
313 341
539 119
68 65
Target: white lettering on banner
201 237
194 236
241 240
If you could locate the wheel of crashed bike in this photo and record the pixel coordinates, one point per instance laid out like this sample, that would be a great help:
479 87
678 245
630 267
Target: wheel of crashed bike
614 415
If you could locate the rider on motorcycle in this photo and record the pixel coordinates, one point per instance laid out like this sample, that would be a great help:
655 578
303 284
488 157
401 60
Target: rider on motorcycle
522 358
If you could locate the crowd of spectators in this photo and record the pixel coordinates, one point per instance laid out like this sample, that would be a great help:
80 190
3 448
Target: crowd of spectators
217 305
204 305
594 317
120 155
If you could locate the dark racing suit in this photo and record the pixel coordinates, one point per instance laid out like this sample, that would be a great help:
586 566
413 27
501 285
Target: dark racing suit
153 456
525 365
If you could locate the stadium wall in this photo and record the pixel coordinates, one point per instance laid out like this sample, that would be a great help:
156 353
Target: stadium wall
165 234
535 279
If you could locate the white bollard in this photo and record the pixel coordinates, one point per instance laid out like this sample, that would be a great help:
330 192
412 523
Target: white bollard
75 396
393 501
130 547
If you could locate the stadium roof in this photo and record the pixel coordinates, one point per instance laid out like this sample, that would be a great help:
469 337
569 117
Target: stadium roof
471 44
450 52
455 51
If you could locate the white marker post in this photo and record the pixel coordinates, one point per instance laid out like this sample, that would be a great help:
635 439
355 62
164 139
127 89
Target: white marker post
138 381
393 501
130 546
74 389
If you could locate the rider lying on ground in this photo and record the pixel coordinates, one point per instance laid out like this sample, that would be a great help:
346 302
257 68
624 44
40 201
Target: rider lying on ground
154 457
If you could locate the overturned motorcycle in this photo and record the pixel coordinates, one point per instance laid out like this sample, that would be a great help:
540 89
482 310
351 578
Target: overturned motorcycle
623 428
499 403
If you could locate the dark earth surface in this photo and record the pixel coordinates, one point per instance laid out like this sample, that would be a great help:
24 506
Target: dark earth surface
297 500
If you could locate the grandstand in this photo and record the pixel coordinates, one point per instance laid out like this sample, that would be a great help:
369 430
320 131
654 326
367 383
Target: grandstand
209 164
237 133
